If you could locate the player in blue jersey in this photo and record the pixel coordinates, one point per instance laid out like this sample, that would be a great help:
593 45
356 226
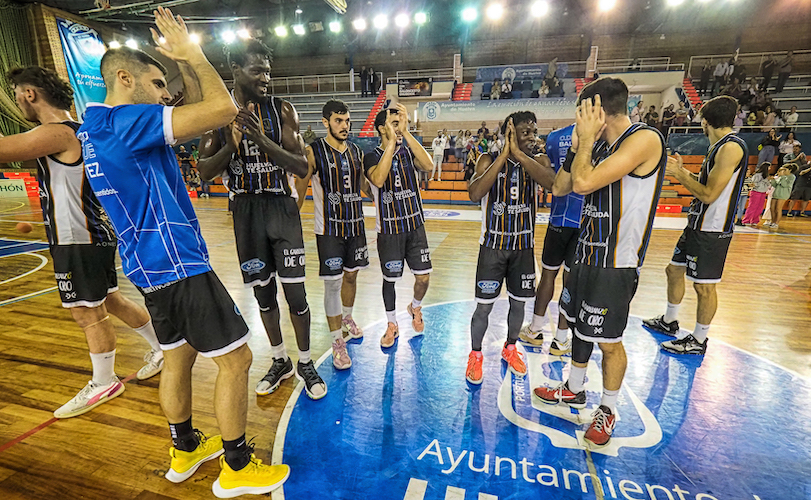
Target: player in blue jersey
82 240
506 184
259 155
620 167
558 249
134 173
336 168
392 172
701 252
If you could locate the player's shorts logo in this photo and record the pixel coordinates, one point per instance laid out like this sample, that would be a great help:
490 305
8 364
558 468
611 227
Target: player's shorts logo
394 265
565 296
498 208
236 310
387 198
252 266
334 263
334 198
488 286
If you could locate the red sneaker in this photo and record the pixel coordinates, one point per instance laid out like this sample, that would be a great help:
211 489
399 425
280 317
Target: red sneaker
416 318
600 430
474 367
561 394
515 359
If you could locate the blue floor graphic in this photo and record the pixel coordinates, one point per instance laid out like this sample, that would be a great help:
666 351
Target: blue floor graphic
403 424
10 247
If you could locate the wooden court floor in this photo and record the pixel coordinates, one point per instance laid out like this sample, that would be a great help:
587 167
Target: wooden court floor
120 450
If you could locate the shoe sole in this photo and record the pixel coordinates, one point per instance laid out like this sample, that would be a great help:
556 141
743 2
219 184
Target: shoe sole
513 370
594 446
560 352
673 351
394 341
88 408
658 330
273 388
341 367
474 382
538 341
139 377
221 492
309 394
179 477
348 333
576 406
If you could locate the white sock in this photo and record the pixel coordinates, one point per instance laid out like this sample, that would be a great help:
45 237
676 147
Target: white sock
415 303
391 316
610 399
148 333
577 378
278 351
538 322
672 313
561 335
103 367
336 334
700 332
304 356
346 311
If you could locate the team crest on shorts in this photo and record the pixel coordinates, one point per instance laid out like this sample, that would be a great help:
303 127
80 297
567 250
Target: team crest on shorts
334 263
252 266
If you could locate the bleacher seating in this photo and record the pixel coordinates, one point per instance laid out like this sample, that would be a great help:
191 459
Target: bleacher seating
309 107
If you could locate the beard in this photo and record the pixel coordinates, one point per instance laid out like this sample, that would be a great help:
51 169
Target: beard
337 136
141 96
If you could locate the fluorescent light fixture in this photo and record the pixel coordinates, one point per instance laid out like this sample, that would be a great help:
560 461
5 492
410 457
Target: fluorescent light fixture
335 27
244 34
420 18
359 24
131 43
675 3
469 14
280 31
402 20
495 11
539 8
299 29
115 45
380 21
228 36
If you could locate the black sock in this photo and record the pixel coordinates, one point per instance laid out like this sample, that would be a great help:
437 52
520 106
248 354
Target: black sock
237 453
183 436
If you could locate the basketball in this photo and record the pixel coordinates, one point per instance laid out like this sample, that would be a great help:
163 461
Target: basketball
24 227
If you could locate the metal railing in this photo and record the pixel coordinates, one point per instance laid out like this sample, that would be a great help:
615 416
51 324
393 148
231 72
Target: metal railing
753 61
640 68
308 84
746 128
437 74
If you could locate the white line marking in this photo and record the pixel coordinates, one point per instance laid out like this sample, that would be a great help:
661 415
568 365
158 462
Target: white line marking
23 275
417 488
453 493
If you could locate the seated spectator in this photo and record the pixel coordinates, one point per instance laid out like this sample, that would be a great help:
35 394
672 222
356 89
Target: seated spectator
194 179
768 118
751 119
740 117
786 148
733 89
495 90
507 89
681 115
544 90
791 117
652 117
556 90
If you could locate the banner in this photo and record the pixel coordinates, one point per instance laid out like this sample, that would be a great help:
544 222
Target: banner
415 87
83 49
461 111
519 72
12 188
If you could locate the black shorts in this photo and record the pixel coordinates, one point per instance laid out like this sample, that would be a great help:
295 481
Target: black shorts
596 301
411 246
559 245
703 254
801 193
197 311
85 274
269 239
517 266
337 254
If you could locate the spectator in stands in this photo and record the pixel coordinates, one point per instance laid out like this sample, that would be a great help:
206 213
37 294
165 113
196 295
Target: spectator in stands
768 118
309 135
733 89
792 117
681 115
373 81
470 140
448 145
719 74
801 192
556 90
740 118
637 112
652 117
730 69
544 90
195 154
194 179
551 72
747 187
696 121
482 144
758 195
459 147
495 90
438 150
768 147
507 89
739 72
751 119
796 156
782 184
786 148
668 115
483 130
495 145
635 66
185 162
785 71
768 70
706 73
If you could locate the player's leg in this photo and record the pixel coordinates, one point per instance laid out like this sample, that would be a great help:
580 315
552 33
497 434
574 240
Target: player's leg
418 257
561 345
331 254
355 259
491 269
391 249
137 318
282 367
668 323
520 278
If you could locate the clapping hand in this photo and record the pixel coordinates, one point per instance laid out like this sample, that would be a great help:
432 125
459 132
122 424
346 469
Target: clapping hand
173 40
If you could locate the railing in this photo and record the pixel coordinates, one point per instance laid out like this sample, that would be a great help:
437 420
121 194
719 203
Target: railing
639 67
436 74
575 69
746 128
753 61
312 83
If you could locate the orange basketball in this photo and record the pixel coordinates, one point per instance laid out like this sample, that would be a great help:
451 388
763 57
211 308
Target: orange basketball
24 227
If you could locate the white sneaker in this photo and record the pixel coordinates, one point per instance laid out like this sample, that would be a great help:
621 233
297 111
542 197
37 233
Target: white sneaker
90 397
153 366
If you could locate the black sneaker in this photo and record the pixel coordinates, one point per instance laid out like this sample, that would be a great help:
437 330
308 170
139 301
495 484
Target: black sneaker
313 385
687 345
658 325
280 370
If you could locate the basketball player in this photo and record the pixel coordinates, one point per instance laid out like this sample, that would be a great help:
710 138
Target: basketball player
259 154
701 251
558 249
391 170
336 167
507 186
619 166
134 172
82 241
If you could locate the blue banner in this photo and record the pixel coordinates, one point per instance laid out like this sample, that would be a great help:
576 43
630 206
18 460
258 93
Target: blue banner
519 72
83 49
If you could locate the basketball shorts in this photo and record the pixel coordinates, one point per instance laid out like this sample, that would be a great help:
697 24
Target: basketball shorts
703 255
801 193
337 254
517 266
197 311
411 246
559 245
269 239
596 301
85 274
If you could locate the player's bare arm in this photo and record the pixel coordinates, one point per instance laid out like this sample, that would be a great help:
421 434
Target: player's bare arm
290 155
422 159
726 160
303 182
379 173
214 155
486 173
48 139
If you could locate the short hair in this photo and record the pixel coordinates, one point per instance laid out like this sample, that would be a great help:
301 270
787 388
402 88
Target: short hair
334 106
380 119
792 167
720 111
519 117
613 93
53 89
135 61
238 52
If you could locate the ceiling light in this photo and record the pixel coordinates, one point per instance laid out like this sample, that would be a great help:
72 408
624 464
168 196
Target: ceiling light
115 45
380 21
335 27
469 14
228 36
495 11
299 29
195 38
131 43
420 18
244 34
674 3
539 8
280 31
606 5
402 20
298 10
359 24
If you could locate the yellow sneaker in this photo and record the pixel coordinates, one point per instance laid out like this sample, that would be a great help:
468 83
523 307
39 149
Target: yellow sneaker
255 479
186 463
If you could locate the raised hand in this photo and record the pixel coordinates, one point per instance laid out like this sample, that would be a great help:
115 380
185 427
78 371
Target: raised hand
590 120
248 123
402 111
512 138
173 39
234 136
390 119
674 165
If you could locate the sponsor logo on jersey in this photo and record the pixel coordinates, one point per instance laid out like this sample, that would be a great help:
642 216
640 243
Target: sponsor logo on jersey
387 197
334 263
488 286
394 265
334 198
252 266
498 208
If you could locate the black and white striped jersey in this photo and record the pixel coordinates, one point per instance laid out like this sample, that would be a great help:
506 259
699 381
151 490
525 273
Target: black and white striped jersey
398 202
508 210
336 185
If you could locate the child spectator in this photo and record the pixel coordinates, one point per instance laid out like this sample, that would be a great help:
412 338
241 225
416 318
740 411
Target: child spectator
782 183
758 194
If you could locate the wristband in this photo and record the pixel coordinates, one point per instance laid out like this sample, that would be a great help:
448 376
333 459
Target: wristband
567 163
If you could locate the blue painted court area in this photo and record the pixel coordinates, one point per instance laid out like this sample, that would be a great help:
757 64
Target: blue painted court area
10 247
403 424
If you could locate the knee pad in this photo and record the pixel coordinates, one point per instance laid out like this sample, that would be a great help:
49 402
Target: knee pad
389 295
581 350
266 296
332 297
296 298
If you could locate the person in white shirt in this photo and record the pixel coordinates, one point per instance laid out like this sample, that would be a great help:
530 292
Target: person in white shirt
792 116
438 149
719 74
507 89
636 113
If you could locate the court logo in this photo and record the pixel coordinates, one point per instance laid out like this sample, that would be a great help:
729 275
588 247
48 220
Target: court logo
394 265
432 111
488 286
252 266
334 263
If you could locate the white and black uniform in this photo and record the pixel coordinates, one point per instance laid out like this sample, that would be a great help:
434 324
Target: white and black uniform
614 235
508 236
81 237
339 228
267 224
702 247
